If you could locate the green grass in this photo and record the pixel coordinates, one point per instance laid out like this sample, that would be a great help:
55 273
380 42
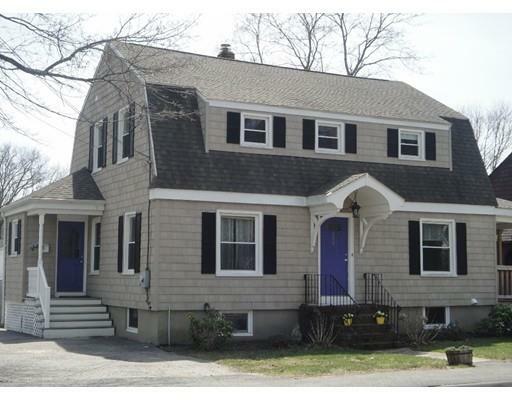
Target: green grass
491 348
301 361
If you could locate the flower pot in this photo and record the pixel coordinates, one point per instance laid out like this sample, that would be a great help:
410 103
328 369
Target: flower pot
347 322
459 357
380 320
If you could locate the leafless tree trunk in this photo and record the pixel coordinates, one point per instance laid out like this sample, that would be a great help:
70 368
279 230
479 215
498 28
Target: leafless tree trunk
493 132
372 41
22 171
251 35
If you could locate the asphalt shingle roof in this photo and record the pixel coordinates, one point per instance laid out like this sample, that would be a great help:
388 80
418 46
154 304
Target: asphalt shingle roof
182 162
240 81
501 179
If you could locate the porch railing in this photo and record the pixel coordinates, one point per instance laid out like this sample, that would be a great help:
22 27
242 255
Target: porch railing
326 290
38 288
504 282
375 293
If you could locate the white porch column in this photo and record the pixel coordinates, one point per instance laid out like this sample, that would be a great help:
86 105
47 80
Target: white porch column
40 243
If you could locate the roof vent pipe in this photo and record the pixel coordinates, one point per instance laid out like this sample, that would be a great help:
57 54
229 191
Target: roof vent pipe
225 52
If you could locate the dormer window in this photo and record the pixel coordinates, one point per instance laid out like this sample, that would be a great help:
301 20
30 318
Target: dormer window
328 138
255 130
410 144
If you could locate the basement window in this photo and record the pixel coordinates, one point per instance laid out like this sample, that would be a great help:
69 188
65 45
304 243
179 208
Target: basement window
436 317
132 319
240 321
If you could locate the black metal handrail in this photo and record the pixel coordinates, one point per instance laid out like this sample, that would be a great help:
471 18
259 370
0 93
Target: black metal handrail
375 293
326 290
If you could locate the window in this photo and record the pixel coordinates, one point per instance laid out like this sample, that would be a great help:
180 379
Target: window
256 130
14 238
437 248
239 243
96 245
328 137
132 320
411 144
98 151
436 316
129 243
240 321
123 135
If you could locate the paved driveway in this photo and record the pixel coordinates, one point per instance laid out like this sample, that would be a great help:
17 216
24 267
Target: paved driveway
28 361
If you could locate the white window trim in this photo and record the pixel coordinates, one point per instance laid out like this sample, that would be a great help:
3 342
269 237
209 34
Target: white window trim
94 221
421 144
453 252
120 131
340 126
258 235
13 236
129 328
250 331
268 131
98 128
126 235
432 326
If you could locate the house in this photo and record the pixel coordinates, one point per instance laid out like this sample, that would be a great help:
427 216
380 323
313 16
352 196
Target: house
201 181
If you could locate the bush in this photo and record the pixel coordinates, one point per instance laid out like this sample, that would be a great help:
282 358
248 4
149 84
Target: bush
451 332
417 334
498 323
211 332
322 330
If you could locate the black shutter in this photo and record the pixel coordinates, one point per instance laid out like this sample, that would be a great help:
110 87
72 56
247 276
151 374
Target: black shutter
17 242
414 247
430 146
308 134
279 132
104 141
233 127
392 142
91 147
350 138
131 126
115 127
269 244
9 239
208 243
120 237
138 226
462 256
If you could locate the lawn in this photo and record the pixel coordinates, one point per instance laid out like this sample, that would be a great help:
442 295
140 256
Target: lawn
301 361
492 348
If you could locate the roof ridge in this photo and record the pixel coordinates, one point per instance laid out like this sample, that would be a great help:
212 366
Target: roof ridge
259 64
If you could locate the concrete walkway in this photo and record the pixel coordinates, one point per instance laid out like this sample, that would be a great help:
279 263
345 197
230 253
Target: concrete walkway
28 361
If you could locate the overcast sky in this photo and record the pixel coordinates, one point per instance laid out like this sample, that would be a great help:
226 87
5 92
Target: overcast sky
467 60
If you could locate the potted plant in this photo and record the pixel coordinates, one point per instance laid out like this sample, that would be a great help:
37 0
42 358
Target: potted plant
458 355
380 317
347 319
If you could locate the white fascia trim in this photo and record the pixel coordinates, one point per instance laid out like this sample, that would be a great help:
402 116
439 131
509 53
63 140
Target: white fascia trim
329 115
301 201
54 206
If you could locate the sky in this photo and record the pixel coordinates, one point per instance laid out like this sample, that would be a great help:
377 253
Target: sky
466 60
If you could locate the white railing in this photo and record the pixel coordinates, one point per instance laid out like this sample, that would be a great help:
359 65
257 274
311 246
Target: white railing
38 288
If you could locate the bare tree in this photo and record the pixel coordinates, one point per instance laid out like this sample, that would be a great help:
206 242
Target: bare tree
22 171
493 132
252 36
372 40
54 53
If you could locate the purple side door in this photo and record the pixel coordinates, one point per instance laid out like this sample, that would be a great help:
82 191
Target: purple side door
70 257
334 253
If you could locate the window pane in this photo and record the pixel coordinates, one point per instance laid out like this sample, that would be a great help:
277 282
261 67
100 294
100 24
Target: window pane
237 229
238 257
255 137
407 138
131 255
329 131
407 150
131 235
96 265
327 143
240 322
435 315
125 126
436 235
126 146
436 260
254 123
97 234
133 318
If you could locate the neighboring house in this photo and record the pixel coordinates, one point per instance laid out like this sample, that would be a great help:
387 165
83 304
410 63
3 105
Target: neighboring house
251 189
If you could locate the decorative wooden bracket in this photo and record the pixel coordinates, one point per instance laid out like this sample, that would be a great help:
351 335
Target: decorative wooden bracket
364 228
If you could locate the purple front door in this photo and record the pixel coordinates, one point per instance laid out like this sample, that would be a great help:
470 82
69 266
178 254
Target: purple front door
334 254
70 257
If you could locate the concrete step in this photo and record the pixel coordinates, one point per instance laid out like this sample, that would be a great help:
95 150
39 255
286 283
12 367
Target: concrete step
93 323
77 309
79 316
86 301
61 333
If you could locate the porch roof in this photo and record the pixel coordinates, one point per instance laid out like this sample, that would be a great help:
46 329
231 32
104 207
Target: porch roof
76 193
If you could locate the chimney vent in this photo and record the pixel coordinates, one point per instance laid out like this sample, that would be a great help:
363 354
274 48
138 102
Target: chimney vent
225 52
